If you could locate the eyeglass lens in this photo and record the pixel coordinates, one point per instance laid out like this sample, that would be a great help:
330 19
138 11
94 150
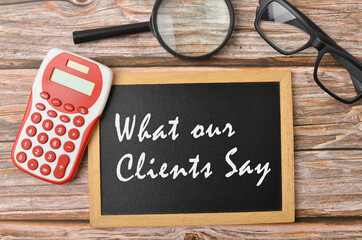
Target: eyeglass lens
282 28
340 76
193 28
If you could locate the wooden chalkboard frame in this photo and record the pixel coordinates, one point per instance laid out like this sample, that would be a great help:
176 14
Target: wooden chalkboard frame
287 214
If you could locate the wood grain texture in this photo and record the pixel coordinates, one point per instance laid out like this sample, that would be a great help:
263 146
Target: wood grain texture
28 31
303 229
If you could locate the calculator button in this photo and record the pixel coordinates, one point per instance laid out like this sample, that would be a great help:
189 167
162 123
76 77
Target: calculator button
32 164
38 151
52 113
69 107
55 143
26 144
47 125
42 138
40 106
69 146
31 131
45 95
60 130
64 118
61 166
56 102
82 110
78 121
50 156
36 118
45 169
21 157
73 134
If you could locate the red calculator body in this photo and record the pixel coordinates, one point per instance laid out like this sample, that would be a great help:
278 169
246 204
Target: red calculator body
67 98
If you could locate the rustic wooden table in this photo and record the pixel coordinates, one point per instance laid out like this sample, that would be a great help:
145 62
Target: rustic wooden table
328 134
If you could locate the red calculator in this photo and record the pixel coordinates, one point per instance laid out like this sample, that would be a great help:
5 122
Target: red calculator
68 96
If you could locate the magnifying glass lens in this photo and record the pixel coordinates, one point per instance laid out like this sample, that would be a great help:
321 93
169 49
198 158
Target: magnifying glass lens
193 28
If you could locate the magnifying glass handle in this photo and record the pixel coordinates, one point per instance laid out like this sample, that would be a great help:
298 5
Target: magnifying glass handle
108 32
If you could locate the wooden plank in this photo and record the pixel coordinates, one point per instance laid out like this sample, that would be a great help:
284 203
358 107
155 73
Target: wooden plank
327 183
47 24
216 61
303 229
332 179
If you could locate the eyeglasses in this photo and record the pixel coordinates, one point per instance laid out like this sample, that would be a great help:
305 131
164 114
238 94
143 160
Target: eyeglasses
187 29
289 31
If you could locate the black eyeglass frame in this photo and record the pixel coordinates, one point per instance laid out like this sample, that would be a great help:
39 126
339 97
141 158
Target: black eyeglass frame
318 39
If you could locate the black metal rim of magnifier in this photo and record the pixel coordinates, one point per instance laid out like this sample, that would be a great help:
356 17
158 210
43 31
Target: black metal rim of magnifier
154 29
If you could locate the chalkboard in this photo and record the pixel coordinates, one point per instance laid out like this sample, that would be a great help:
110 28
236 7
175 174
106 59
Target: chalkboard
194 148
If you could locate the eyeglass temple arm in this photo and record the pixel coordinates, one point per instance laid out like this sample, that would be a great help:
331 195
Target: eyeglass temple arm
108 32
352 70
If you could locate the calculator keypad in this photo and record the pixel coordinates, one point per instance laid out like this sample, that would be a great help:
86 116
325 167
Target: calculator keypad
47 135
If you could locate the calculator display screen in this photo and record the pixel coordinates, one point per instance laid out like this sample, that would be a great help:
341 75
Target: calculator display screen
73 82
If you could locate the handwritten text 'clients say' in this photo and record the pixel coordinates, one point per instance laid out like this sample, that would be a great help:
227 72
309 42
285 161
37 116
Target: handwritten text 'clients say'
127 129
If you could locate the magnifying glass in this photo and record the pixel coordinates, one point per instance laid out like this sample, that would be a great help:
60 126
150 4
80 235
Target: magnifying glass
190 29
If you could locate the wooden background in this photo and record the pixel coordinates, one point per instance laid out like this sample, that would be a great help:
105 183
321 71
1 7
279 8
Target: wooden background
328 134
